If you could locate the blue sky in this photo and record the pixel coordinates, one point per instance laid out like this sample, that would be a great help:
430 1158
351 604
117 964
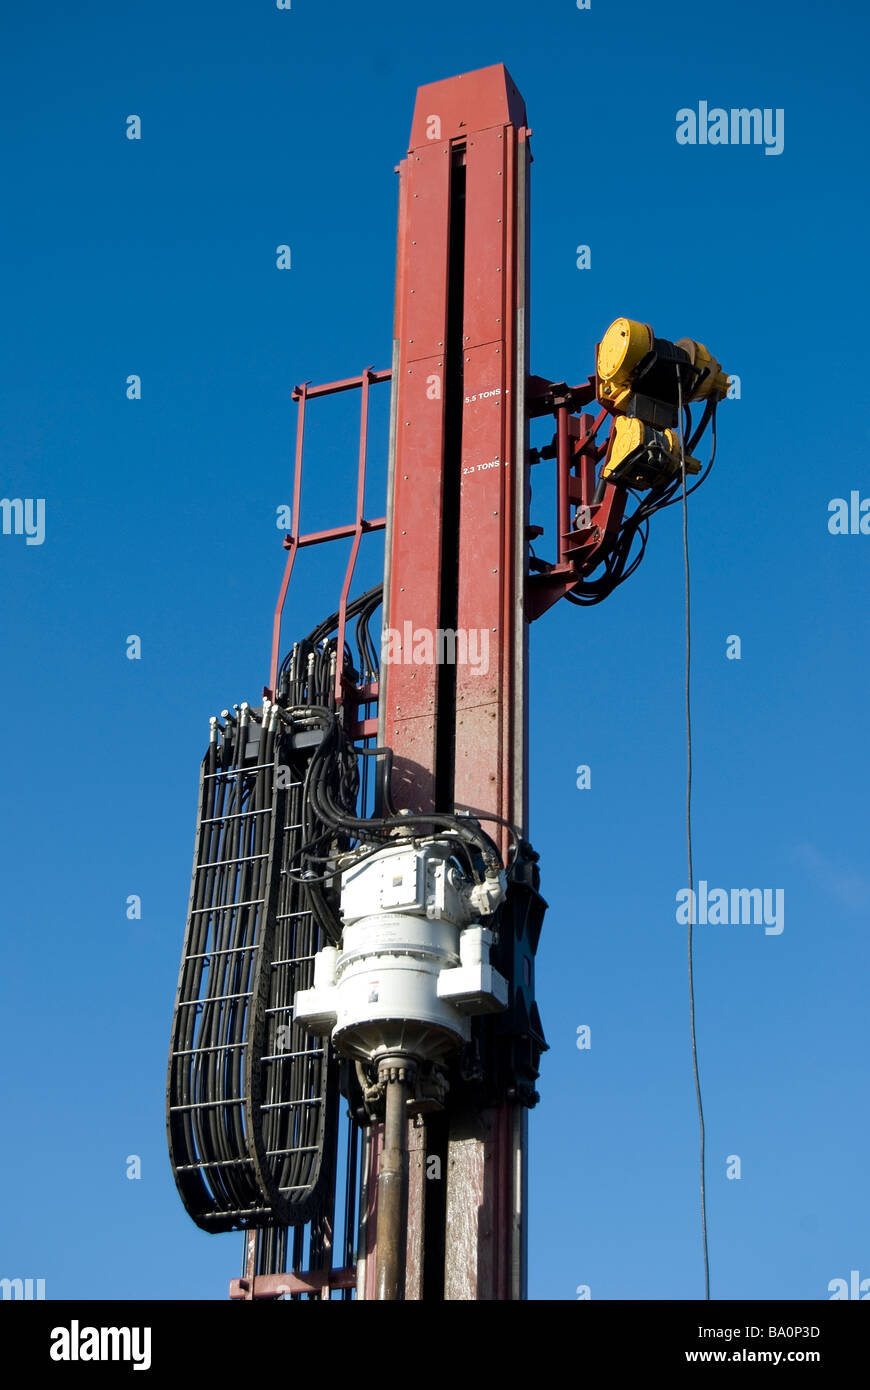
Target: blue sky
157 257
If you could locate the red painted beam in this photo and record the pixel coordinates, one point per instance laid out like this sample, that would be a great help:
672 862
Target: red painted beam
457 550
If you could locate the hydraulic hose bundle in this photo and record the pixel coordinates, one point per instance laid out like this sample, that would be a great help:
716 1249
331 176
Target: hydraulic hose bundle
251 1097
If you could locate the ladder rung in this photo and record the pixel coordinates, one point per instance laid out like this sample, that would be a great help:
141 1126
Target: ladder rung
219 864
234 815
240 771
209 1104
282 1056
213 999
215 1047
211 1163
225 907
291 1104
229 951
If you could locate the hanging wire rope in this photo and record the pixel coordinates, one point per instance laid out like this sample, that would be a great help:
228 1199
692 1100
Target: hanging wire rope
690 939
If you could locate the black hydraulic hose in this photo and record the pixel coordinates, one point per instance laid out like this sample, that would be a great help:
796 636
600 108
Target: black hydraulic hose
236 1009
227 1120
258 1137
252 889
179 1092
330 812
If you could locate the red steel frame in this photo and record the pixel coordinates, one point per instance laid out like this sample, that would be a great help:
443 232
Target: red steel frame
476 121
355 530
580 542
458 495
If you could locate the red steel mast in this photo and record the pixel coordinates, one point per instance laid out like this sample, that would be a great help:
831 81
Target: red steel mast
456 558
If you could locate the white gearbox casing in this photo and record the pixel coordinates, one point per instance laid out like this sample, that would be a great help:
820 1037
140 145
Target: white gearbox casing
413 966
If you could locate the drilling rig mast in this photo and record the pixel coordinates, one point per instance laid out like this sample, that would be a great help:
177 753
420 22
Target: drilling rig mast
356 1041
